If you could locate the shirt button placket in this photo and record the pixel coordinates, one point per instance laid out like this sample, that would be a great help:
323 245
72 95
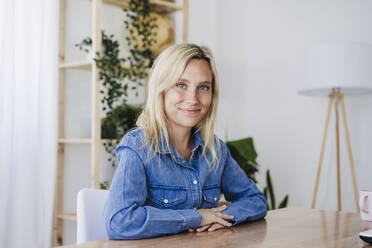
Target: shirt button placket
196 191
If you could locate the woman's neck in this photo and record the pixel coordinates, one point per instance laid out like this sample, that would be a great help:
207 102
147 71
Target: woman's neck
182 141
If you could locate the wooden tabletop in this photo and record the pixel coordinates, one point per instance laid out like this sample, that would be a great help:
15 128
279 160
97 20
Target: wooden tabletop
289 227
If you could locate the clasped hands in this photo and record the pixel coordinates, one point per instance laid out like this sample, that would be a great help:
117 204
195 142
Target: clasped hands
213 219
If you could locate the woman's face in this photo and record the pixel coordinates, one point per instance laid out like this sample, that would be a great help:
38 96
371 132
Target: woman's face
187 102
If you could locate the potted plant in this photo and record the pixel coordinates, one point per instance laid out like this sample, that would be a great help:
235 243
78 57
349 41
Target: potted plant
244 152
121 75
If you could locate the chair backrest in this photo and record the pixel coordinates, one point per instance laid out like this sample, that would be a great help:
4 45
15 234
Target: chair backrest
90 204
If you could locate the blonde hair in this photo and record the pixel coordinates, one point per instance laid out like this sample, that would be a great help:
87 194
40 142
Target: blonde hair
166 71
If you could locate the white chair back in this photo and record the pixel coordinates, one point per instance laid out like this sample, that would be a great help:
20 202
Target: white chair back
90 204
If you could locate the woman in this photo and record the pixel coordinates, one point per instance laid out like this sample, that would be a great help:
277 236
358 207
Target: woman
173 168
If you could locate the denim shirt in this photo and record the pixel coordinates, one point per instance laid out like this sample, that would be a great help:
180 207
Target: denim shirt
157 194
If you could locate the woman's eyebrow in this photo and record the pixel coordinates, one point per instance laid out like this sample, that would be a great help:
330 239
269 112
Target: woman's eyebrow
184 80
187 81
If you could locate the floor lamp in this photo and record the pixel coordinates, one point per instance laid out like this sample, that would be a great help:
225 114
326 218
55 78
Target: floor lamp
335 70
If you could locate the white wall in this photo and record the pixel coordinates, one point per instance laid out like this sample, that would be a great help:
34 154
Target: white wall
258 47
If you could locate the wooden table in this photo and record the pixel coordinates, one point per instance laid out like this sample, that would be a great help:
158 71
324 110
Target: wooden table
290 227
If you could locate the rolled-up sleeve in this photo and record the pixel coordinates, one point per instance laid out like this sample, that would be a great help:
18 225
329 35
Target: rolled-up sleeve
247 201
127 217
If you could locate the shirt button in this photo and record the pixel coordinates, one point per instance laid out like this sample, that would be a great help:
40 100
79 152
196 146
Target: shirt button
195 182
165 200
215 199
194 208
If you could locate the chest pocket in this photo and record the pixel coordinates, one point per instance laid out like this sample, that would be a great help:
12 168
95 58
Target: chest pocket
211 196
167 196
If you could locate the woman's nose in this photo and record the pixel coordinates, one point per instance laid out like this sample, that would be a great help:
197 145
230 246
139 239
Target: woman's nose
192 95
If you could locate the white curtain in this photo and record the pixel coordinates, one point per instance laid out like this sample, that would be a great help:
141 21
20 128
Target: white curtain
28 121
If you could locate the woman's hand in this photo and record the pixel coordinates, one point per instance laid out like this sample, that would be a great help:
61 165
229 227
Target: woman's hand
210 228
215 227
213 219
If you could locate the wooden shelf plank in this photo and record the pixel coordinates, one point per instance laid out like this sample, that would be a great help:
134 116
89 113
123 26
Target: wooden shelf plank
106 141
166 3
85 141
118 3
165 6
67 217
87 65
158 5
75 141
82 65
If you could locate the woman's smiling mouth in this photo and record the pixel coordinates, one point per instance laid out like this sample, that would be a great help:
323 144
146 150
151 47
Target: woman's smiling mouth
191 111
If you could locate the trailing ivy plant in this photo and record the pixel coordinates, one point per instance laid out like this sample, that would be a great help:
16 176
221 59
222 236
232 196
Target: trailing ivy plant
244 153
122 75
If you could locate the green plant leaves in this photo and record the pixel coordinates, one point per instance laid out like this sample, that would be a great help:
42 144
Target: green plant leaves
270 189
105 185
244 153
270 195
117 122
284 202
122 75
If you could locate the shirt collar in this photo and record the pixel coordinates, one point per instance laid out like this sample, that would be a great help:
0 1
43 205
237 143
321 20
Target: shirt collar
198 142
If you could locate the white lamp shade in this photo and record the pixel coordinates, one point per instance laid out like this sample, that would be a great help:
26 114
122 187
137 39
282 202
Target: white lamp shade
347 66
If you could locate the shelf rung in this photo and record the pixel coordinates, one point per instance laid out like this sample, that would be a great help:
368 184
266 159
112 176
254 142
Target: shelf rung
165 6
106 141
67 217
159 5
87 65
82 65
86 141
117 3
75 141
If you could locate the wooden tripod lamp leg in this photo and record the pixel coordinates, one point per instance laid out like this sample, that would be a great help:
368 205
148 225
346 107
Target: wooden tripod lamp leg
338 155
352 166
322 150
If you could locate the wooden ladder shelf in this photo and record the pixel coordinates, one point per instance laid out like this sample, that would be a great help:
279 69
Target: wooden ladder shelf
95 140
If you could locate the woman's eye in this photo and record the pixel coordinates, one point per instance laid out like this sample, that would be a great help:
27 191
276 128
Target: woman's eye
204 87
181 85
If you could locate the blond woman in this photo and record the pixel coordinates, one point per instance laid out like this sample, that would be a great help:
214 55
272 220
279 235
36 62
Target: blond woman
172 168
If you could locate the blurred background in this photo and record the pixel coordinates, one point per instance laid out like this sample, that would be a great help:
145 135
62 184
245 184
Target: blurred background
259 48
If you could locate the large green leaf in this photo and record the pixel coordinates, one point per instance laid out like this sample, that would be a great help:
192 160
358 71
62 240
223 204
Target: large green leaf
270 189
266 196
245 155
245 148
284 202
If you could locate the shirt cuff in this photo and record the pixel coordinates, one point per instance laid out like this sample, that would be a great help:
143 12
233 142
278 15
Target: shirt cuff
242 218
236 219
192 218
